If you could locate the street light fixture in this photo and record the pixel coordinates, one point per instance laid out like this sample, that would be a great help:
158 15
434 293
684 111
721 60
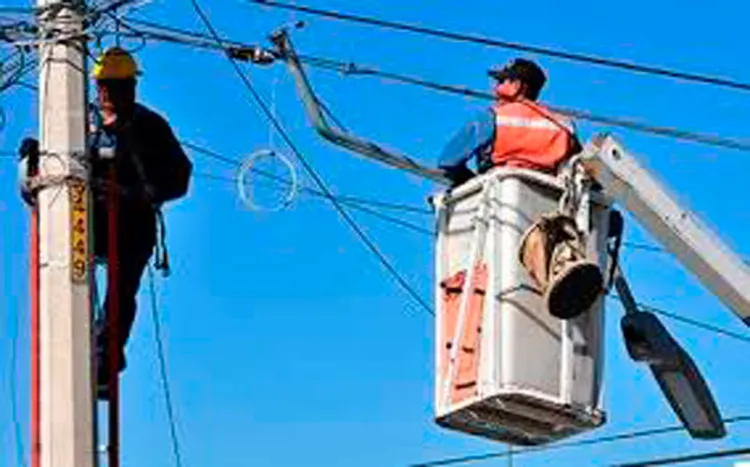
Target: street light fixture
648 341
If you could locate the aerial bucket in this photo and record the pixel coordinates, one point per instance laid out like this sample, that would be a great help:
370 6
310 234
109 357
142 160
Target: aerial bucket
507 369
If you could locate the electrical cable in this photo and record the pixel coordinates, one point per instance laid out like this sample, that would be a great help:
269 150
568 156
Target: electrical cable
351 203
688 458
313 174
13 10
578 57
163 369
329 196
13 393
373 202
361 203
627 436
354 69
343 198
695 323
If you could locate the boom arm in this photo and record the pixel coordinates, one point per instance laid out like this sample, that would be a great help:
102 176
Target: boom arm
286 52
717 267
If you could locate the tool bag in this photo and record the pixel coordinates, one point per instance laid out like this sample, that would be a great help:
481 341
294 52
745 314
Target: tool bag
553 252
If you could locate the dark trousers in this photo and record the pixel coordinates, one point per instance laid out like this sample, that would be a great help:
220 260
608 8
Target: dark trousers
136 238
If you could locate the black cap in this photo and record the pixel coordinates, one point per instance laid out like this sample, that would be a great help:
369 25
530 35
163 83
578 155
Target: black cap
523 70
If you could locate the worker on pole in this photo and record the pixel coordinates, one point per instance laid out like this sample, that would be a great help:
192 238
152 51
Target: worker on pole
151 169
516 131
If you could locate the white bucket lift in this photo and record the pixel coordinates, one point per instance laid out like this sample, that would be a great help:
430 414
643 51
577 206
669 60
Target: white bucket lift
506 368
518 374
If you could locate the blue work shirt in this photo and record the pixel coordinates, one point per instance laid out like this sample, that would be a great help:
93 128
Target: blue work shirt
473 140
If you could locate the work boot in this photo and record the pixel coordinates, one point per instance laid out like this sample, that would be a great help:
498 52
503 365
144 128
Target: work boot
102 371
553 253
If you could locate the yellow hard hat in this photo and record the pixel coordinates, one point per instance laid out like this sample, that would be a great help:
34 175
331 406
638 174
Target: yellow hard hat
115 63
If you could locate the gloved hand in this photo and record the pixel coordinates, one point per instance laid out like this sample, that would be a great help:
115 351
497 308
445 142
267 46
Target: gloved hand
28 153
29 149
458 175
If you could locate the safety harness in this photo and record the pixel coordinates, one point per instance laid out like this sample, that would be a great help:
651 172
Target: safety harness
161 262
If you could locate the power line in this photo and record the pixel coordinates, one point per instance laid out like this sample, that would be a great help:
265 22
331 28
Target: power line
419 229
353 69
163 365
313 174
357 69
573 444
342 200
696 323
163 370
444 34
16 10
13 383
283 181
194 39
374 202
688 458
361 204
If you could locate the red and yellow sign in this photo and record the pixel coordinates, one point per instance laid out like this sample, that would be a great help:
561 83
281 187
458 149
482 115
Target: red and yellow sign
79 231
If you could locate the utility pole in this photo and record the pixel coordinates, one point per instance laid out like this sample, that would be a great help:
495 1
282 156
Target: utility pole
66 390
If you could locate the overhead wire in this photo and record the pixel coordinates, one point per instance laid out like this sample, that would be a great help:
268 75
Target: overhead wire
313 174
195 39
176 449
689 458
351 68
600 440
362 203
324 191
483 40
14 10
354 69
694 322
344 198
369 201
626 436
13 393
354 202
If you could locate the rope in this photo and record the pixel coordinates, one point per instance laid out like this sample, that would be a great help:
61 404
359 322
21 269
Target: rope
163 369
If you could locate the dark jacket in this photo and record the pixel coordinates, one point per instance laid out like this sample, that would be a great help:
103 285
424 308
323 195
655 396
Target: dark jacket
146 152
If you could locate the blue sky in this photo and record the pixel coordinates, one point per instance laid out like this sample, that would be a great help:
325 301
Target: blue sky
288 344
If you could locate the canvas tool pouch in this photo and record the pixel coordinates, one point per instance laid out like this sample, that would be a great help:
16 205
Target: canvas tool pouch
553 252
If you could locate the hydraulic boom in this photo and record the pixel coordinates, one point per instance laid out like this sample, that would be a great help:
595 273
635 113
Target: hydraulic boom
701 251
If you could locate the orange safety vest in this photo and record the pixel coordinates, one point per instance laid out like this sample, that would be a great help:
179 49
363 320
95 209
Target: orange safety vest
530 136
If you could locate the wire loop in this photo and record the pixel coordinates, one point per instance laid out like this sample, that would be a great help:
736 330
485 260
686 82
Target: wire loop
248 167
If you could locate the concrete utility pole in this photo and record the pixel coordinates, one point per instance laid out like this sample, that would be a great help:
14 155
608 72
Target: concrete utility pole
66 397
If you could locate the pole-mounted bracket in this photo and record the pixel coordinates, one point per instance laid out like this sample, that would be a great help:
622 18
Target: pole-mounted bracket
256 55
285 51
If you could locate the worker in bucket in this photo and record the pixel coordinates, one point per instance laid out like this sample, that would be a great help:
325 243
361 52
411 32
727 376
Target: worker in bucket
151 169
519 132
516 131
